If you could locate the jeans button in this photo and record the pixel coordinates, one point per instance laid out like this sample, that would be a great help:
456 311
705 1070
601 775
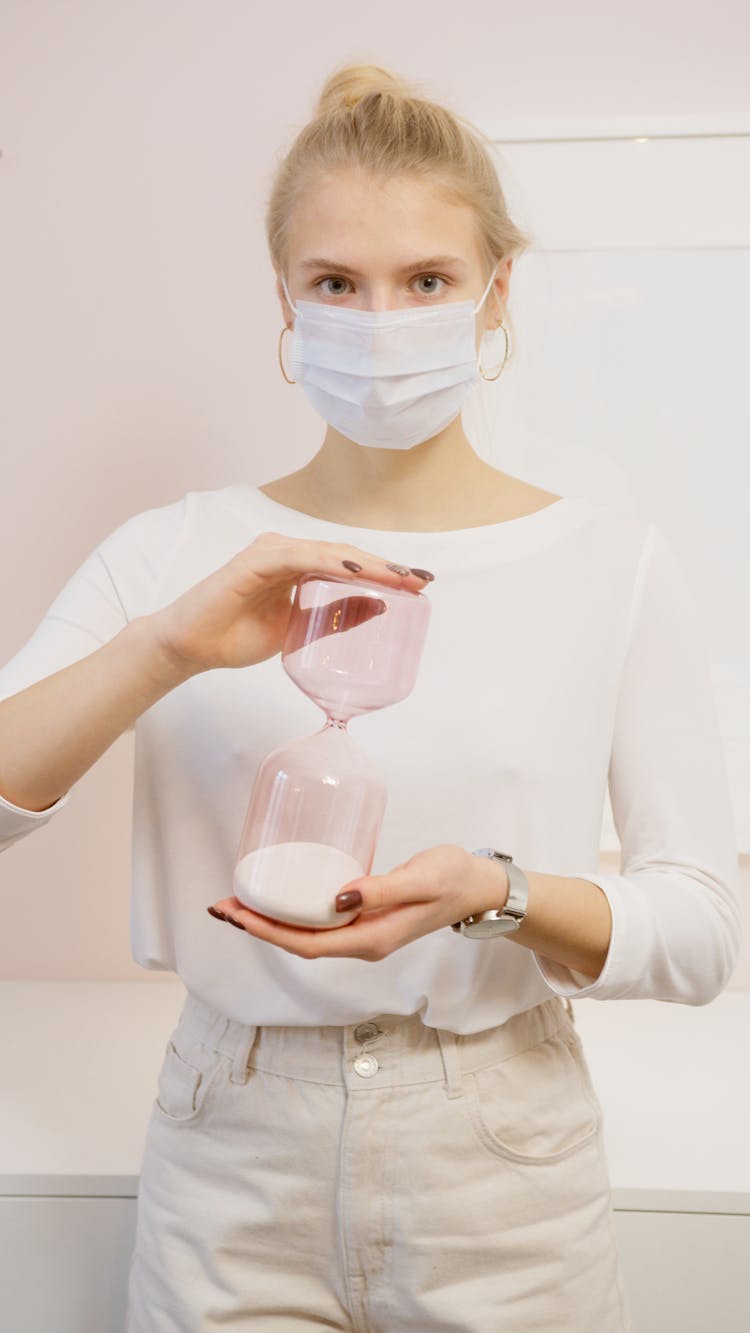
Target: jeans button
366 1066
366 1032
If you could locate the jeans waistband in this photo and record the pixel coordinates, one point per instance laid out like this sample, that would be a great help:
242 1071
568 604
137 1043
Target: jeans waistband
405 1050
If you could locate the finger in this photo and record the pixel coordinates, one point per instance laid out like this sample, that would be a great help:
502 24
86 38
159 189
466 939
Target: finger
425 877
375 935
295 939
403 884
274 557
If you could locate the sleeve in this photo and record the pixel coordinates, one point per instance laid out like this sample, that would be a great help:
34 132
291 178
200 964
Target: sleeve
676 907
114 583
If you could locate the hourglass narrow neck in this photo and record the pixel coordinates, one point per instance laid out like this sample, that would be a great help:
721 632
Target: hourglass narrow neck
338 722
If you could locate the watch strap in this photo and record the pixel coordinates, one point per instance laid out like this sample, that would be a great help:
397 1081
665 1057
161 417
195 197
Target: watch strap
510 916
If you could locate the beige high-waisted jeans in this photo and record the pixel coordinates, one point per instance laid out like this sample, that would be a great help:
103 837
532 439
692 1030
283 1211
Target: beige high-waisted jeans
383 1177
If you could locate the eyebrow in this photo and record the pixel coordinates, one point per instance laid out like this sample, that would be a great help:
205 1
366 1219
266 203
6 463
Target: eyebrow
433 261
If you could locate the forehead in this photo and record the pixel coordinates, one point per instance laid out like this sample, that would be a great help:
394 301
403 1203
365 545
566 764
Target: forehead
363 219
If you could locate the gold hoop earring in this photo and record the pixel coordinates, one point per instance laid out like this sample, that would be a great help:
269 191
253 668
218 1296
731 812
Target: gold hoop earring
285 329
502 363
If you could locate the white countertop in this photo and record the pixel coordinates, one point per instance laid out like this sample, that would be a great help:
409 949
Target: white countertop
80 1061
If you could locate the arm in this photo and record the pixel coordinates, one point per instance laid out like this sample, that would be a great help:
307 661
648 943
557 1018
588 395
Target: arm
568 919
102 655
52 732
669 926
86 673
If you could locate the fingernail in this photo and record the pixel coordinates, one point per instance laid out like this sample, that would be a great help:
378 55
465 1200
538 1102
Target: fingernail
345 901
221 916
350 564
423 573
232 922
399 569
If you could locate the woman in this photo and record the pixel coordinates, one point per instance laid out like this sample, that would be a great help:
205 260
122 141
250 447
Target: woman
391 1126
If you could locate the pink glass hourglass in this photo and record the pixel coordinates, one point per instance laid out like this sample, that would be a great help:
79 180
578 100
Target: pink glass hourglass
317 805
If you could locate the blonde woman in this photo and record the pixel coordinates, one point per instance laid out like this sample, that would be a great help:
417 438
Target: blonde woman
390 1127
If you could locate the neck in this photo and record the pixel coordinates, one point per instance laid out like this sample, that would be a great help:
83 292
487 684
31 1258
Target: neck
400 483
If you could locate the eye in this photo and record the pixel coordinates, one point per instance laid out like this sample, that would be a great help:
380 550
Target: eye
339 292
338 285
430 278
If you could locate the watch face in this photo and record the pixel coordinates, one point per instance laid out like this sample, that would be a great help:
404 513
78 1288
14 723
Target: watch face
484 929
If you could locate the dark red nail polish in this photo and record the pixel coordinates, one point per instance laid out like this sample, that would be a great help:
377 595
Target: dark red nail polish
350 564
423 574
219 915
346 901
232 922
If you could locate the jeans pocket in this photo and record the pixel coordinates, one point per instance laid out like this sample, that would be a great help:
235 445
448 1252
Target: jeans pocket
538 1106
185 1079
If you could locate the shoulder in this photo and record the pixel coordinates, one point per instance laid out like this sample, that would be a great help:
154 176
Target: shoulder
158 528
167 548
151 532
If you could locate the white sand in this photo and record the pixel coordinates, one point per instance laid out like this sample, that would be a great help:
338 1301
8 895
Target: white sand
297 882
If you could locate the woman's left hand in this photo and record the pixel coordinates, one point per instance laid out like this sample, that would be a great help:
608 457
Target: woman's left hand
431 890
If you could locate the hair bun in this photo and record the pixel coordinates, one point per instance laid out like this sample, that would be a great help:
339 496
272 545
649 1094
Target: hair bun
348 85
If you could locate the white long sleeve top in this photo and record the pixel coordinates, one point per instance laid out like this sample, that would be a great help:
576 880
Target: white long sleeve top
563 652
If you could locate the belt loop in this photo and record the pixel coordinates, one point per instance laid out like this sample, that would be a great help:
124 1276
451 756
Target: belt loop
447 1040
242 1053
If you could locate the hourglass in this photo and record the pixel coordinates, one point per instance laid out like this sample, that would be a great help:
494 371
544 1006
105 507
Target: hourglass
317 805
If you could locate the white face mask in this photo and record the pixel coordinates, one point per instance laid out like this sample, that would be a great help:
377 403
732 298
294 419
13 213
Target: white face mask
386 378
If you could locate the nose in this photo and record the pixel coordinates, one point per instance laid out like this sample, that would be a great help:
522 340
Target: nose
379 298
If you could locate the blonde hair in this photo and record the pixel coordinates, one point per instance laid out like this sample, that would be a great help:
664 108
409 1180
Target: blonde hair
366 116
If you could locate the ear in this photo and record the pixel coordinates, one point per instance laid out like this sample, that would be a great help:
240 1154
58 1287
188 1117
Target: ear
287 313
500 287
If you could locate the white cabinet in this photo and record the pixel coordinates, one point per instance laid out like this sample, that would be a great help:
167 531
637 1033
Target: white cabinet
686 1272
64 1267
64 1264
673 1081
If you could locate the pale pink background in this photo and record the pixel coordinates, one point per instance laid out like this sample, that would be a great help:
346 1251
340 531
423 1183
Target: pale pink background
139 319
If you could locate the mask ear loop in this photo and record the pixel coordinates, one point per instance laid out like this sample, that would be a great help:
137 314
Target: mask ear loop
292 306
483 297
477 308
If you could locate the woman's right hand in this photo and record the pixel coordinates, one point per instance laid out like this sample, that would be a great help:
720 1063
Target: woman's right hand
239 615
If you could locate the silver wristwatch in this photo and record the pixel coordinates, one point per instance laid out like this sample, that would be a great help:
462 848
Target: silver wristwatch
499 921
